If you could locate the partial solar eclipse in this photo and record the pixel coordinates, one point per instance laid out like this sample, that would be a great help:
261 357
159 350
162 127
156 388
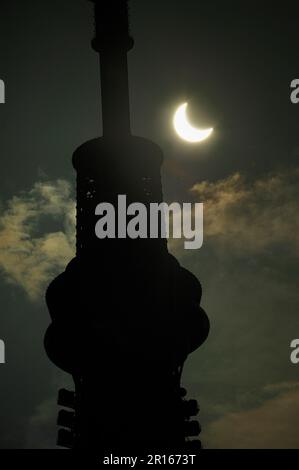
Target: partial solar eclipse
184 128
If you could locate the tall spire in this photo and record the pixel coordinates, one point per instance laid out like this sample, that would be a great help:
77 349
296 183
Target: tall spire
112 41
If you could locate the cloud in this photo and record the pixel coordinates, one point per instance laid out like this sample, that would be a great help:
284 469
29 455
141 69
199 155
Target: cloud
251 217
239 216
272 425
31 252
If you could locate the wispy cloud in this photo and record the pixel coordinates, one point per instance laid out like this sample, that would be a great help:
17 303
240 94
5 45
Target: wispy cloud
29 254
251 217
240 217
272 425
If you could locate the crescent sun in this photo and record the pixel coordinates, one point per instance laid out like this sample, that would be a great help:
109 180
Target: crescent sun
184 128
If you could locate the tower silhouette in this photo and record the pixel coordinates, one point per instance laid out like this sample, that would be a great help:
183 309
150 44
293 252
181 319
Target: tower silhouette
125 314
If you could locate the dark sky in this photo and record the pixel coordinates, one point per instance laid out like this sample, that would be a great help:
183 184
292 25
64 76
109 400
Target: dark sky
234 64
